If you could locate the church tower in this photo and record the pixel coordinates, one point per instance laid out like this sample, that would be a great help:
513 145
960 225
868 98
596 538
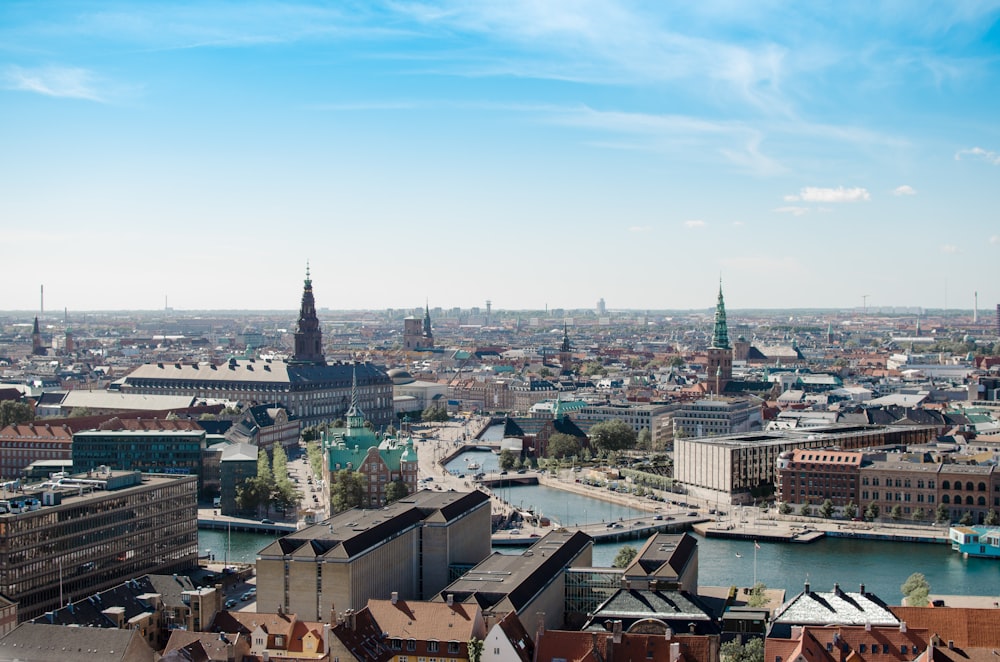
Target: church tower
36 340
308 335
566 352
720 354
428 336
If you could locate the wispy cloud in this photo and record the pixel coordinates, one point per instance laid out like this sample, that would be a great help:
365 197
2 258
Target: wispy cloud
638 229
794 211
979 153
995 239
695 223
905 189
839 194
951 249
52 81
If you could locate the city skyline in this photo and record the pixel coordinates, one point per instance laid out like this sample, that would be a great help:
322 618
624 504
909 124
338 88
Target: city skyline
534 154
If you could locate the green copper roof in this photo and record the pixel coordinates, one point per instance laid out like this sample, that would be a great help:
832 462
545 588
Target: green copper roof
720 339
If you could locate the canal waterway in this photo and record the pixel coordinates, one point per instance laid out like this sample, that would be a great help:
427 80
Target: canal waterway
881 566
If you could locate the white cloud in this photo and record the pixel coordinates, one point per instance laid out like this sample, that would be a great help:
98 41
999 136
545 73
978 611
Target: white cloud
639 228
738 223
794 211
695 223
995 239
905 189
978 152
66 82
951 249
839 194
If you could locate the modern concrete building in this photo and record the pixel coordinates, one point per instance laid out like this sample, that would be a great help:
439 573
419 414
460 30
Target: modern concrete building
637 415
414 547
238 464
85 533
735 468
711 418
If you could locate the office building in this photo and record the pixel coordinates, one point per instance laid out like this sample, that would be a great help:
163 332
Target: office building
146 445
82 534
711 418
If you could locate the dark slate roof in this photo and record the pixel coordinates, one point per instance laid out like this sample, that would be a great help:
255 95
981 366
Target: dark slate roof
33 641
678 609
88 611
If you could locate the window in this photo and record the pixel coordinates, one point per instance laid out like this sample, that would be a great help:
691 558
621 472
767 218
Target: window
411 644
862 648
902 649
453 647
432 646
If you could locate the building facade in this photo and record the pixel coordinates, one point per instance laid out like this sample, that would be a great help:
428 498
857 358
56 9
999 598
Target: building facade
815 475
83 534
711 418
22 445
146 445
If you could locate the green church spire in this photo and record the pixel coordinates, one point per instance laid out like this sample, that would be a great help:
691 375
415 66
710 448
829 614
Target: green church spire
720 339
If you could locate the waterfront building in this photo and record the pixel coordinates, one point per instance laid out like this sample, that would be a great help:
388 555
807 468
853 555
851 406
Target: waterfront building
529 583
710 418
535 433
146 445
21 445
640 416
814 643
919 488
309 387
413 546
981 541
734 467
99 530
656 611
813 475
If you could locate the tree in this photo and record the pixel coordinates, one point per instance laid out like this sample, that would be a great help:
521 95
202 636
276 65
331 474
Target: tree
872 512
625 556
613 436
992 519
475 647
348 490
15 413
279 463
315 455
805 509
310 433
435 415
264 467
784 508
850 510
966 519
395 491
941 514
916 589
752 651
896 513
826 510
758 595
252 495
918 514
645 440
284 496
563 445
544 372
507 459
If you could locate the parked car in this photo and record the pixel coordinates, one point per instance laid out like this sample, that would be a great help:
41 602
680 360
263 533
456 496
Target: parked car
266 521
230 603
247 597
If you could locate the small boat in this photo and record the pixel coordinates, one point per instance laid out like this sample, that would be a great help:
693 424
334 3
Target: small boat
738 555
474 465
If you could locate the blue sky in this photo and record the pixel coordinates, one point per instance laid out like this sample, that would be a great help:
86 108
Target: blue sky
535 153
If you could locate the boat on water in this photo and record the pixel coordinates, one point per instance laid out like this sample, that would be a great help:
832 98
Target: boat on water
474 466
981 541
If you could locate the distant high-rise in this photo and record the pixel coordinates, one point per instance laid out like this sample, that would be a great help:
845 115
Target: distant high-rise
601 307
308 334
720 354
489 310
998 319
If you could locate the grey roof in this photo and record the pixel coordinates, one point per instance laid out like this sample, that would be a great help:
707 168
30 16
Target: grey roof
678 609
239 452
133 401
336 375
33 641
836 607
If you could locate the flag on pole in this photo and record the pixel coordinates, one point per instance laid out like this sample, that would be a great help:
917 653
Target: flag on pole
755 545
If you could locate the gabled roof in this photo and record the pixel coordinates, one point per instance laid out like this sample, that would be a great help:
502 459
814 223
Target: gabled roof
836 607
678 609
967 627
31 642
594 646
425 621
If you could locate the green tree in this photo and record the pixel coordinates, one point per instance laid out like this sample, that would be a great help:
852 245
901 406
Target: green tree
253 495
507 459
785 508
918 514
752 651
563 445
677 362
613 436
544 372
758 595
966 519
395 491
645 440
992 519
624 556
826 509
805 509
279 463
475 647
310 433
264 467
941 514
284 496
896 513
434 415
83 412
315 456
15 413
872 512
850 510
348 490
916 589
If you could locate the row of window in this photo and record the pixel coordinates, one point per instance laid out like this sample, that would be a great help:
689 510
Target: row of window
432 646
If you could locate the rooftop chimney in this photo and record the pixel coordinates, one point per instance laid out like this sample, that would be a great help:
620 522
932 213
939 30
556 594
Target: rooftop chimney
451 599
862 589
616 632
951 644
395 597
902 626
806 591
675 651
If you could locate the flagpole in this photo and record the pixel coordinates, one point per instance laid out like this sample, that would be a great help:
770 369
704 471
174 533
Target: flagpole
755 548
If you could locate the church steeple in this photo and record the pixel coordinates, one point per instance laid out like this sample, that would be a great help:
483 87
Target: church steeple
427 321
308 335
355 417
720 338
36 340
565 342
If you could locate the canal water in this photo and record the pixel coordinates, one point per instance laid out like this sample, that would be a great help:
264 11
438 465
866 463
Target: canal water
881 566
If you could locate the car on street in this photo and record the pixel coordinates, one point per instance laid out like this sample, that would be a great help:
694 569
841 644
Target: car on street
247 597
230 603
266 521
